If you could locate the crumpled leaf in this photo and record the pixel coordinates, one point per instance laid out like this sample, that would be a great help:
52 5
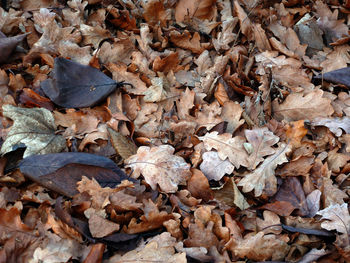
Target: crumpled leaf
74 85
229 194
263 178
255 246
260 142
35 128
337 218
101 227
299 107
159 166
227 147
123 145
61 171
213 167
8 44
158 249
335 125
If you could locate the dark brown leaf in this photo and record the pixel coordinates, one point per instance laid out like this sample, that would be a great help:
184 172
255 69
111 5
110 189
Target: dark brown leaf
74 85
60 172
8 44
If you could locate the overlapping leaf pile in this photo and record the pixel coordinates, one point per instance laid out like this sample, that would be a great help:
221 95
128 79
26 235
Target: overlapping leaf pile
228 119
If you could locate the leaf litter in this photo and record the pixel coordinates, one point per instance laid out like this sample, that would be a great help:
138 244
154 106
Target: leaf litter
229 143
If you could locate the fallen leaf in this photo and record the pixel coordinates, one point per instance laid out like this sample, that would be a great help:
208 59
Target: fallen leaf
259 247
78 122
271 223
339 76
231 113
337 218
213 167
227 147
335 125
61 172
159 166
8 44
160 251
198 185
74 85
101 227
35 129
152 219
123 145
296 132
229 194
291 191
263 178
299 107
260 142
187 10
313 202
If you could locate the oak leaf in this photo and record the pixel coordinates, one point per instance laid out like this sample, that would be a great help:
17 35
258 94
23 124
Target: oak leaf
337 218
101 227
158 249
335 125
260 144
227 147
159 166
35 128
299 107
213 167
263 178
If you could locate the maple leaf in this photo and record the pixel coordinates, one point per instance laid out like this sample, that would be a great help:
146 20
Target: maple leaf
35 128
263 178
260 142
299 107
227 147
159 166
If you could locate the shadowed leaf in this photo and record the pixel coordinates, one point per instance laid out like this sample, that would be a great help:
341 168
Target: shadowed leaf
8 44
60 172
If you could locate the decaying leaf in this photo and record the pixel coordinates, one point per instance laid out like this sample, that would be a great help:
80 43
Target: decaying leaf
337 218
213 167
227 147
335 125
159 166
124 146
33 128
263 178
229 194
61 172
8 44
159 249
74 85
299 107
259 145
